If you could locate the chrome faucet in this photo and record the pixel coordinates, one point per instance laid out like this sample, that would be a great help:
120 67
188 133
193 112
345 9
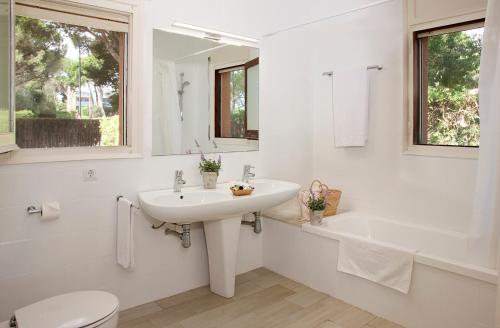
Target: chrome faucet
247 174
178 181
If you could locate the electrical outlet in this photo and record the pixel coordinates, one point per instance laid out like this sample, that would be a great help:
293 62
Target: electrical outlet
89 175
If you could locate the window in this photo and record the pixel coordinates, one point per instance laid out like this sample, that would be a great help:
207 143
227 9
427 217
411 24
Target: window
236 101
446 82
70 76
7 136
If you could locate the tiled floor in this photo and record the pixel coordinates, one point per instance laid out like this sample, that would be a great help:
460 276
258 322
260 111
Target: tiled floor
263 299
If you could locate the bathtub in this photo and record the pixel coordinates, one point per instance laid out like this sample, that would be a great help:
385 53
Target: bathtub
446 290
441 249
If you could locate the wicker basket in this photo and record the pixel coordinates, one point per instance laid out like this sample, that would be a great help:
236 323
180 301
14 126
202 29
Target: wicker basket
332 199
244 192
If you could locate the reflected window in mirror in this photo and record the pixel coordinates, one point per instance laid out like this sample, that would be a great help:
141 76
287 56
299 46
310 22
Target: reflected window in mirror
232 101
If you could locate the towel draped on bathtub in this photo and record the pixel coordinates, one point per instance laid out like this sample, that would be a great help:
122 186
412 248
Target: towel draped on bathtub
382 264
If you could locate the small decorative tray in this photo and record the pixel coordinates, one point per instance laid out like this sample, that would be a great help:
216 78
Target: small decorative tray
241 189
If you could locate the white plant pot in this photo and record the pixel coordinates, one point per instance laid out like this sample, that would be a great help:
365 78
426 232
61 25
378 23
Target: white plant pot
316 217
209 179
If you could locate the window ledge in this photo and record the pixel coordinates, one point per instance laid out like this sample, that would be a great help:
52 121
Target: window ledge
26 156
8 148
442 151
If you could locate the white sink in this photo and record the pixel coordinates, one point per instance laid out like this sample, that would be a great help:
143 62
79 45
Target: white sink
220 213
195 204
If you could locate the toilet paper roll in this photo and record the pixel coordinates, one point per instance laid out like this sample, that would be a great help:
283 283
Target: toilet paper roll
51 211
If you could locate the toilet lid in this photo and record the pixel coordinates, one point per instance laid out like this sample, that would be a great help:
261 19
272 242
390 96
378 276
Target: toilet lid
73 310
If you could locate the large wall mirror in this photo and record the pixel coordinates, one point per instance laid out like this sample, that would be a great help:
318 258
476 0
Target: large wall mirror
205 95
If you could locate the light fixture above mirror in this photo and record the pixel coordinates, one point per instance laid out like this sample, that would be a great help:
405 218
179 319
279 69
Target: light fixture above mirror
215 35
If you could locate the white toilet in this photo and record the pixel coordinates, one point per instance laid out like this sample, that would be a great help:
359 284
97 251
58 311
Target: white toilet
87 309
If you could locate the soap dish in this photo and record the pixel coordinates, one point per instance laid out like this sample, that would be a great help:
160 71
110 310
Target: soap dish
244 192
241 189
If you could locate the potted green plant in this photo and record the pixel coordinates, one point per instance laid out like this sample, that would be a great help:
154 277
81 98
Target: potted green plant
209 169
316 203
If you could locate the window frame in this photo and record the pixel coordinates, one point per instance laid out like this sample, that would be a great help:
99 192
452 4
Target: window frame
133 118
421 83
249 134
409 147
8 140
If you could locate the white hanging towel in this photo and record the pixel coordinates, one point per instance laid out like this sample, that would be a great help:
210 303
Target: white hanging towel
125 234
381 264
350 107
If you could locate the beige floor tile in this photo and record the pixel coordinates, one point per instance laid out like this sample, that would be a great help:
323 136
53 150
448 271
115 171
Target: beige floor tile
382 323
174 325
272 316
263 271
141 322
229 312
264 317
183 297
245 289
335 306
269 279
306 297
263 299
139 311
187 309
328 324
293 285
353 318
309 317
247 276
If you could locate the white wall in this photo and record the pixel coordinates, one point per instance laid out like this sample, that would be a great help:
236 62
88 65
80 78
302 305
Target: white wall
42 259
38 259
378 178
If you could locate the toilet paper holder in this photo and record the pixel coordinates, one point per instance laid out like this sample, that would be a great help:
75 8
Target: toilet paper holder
34 210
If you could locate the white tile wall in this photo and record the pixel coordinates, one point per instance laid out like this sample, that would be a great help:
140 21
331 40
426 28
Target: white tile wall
378 178
77 251
42 259
38 259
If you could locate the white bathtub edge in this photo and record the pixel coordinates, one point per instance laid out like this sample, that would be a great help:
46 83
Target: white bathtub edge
468 270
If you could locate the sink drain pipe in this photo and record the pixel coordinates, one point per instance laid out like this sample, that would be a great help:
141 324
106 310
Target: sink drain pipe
183 231
256 224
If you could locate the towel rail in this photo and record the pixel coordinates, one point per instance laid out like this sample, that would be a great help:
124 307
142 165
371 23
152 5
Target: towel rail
377 67
133 205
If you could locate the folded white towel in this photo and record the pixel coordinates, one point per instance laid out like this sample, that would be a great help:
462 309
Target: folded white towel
125 234
350 107
382 264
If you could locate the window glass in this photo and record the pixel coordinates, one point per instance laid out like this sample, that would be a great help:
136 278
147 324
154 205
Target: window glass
69 84
232 102
447 86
